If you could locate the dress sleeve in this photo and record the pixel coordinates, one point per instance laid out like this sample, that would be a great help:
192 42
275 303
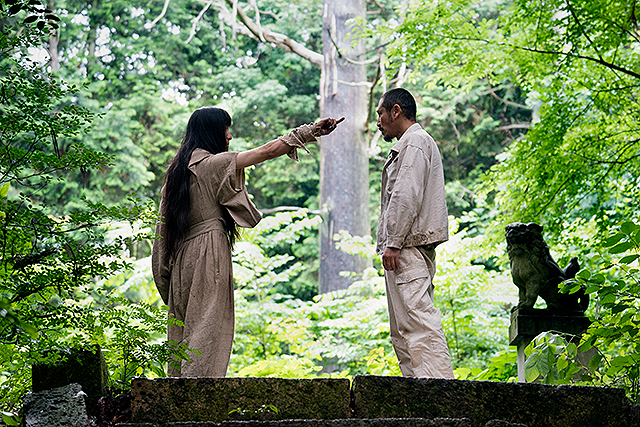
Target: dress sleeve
160 265
232 193
300 136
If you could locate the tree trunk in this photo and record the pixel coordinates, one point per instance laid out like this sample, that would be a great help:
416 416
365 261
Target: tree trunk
344 171
53 45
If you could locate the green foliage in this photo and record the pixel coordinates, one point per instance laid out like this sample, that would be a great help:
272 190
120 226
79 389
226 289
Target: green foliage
549 356
335 331
613 334
380 362
133 336
283 367
53 260
472 298
347 331
280 255
576 64
486 70
279 335
263 109
501 367
147 79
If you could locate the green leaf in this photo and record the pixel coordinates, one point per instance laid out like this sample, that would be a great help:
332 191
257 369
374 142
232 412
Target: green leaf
462 373
613 370
612 240
618 308
587 344
562 363
584 274
15 9
10 419
544 362
595 361
629 259
621 247
629 227
531 373
4 190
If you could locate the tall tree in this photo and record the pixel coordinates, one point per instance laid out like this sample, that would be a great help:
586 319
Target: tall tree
344 164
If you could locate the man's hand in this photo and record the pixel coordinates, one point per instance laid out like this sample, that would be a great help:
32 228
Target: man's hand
390 258
328 125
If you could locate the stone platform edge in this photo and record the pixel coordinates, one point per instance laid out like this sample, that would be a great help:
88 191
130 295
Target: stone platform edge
231 400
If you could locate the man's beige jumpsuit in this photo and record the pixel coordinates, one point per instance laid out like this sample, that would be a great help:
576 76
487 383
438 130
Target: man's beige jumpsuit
414 219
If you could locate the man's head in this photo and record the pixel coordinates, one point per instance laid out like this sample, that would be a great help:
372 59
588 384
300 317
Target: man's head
396 112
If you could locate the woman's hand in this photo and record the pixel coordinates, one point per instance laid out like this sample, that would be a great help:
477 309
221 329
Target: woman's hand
277 147
328 125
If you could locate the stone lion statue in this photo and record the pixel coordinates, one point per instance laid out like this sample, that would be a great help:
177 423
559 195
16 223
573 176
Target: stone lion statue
535 273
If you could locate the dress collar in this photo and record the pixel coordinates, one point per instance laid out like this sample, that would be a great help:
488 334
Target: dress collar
198 155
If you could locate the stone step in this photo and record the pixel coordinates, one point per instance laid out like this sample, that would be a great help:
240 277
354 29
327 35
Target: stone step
351 422
219 399
378 399
535 405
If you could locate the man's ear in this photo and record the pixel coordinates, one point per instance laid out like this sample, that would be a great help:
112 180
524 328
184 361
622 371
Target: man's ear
396 111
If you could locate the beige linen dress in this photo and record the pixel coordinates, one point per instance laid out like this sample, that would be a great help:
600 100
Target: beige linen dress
198 282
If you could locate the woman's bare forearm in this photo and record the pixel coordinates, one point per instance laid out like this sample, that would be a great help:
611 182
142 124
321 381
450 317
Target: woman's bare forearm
277 147
268 151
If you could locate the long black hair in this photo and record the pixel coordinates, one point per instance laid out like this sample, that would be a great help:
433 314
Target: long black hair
206 130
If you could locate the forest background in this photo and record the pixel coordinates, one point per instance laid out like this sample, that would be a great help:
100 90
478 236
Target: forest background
533 104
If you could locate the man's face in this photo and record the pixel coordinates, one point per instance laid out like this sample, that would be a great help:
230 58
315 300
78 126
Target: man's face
385 123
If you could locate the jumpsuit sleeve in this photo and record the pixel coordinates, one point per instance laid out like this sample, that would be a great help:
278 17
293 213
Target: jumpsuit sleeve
407 195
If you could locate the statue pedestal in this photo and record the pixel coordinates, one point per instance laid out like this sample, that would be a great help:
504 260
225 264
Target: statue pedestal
526 324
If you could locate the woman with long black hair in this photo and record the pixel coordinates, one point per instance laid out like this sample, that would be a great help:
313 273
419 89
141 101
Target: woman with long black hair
204 200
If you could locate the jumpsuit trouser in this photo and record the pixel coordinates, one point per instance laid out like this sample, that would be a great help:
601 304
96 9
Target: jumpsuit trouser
415 324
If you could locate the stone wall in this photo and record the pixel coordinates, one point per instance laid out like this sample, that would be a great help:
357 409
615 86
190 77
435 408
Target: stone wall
332 402
218 399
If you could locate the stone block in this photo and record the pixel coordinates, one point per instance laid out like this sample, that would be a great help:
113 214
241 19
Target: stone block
86 367
58 407
635 416
218 399
535 405
387 422
527 324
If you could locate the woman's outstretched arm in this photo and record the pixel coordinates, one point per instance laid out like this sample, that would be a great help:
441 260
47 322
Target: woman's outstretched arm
277 147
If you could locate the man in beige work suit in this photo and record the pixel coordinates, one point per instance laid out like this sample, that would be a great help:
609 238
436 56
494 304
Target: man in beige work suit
413 221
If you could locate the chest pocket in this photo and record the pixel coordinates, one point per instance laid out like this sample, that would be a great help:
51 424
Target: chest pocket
391 171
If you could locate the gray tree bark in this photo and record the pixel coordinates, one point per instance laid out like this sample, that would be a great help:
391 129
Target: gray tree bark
344 170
